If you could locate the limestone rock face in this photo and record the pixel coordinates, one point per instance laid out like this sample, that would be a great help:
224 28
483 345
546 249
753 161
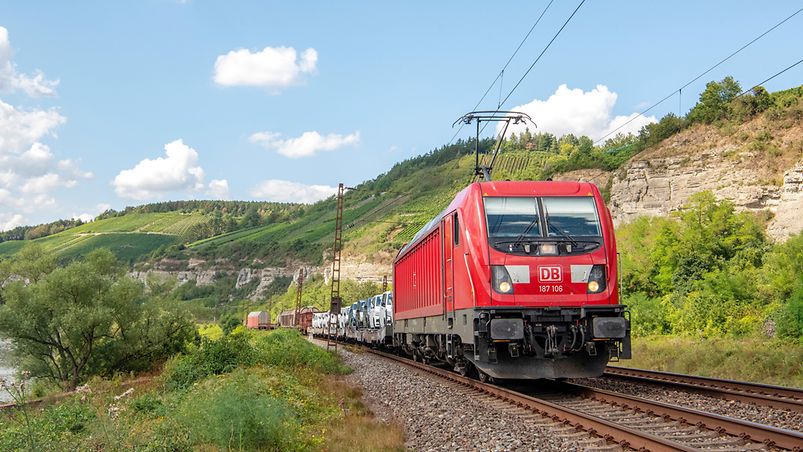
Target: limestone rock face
359 269
788 218
205 277
201 277
660 180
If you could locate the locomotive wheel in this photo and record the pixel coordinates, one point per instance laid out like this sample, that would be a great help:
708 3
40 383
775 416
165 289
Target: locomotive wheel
466 370
484 378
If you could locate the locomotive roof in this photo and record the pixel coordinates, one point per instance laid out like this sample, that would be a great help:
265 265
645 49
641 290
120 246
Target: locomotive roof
507 188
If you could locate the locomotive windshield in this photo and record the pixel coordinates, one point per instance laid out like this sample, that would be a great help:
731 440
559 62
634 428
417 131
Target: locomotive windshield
572 216
528 225
512 218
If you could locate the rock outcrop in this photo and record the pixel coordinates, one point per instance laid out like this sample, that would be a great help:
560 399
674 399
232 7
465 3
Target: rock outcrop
743 170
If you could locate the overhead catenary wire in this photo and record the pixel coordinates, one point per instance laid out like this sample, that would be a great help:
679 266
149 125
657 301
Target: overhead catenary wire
537 59
772 77
679 90
502 71
549 44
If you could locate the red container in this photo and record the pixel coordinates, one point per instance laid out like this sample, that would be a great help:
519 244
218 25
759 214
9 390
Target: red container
257 320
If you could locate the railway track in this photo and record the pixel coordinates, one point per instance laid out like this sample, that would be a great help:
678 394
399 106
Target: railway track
627 422
760 394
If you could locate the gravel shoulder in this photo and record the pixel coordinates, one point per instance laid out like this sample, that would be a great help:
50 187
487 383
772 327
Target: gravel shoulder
787 419
441 416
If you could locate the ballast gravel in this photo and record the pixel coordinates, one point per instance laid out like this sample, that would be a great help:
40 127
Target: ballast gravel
740 410
441 416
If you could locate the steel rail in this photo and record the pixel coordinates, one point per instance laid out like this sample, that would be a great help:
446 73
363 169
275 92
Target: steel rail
771 436
610 431
757 393
625 436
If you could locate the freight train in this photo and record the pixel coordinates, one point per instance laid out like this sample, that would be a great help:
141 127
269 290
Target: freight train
513 280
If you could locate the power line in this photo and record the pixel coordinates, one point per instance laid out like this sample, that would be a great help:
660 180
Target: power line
765 81
642 113
538 58
527 72
502 72
541 54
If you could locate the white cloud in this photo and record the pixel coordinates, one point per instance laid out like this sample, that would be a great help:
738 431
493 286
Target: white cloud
85 217
580 113
178 170
42 184
218 189
11 221
306 145
19 129
272 67
286 191
11 80
29 170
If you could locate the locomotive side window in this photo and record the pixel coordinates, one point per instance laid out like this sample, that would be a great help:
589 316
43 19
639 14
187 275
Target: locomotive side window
456 233
571 215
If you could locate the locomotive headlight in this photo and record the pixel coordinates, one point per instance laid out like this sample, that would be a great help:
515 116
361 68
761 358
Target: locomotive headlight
596 279
502 282
548 249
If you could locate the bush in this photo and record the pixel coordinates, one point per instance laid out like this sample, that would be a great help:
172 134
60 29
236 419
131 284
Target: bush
648 315
238 413
149 404
287 349
790 319
210 358
211 331
56 428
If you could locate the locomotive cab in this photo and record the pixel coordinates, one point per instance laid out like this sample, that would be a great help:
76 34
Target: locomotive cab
527 284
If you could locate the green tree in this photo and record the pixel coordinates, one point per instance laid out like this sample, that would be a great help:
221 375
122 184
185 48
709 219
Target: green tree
714 100
654 133
85 319
251 218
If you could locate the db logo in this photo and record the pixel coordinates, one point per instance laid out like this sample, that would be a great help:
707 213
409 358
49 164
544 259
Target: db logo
550 274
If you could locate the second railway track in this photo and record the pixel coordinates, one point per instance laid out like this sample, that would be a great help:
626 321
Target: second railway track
760 394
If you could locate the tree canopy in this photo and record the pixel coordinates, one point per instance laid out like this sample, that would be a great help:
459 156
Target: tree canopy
87 318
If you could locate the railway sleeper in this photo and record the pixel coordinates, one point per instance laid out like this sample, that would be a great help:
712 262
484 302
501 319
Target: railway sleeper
692 436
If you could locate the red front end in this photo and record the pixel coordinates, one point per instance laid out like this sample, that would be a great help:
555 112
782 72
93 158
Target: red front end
519 278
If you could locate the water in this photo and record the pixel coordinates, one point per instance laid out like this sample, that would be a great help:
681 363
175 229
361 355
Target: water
6 370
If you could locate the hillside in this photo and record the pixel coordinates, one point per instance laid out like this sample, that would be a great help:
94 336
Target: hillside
130 237
748 150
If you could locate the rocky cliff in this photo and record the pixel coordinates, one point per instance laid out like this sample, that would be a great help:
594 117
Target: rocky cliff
757 167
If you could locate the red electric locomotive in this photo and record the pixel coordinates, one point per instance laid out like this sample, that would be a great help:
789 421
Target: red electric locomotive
514 280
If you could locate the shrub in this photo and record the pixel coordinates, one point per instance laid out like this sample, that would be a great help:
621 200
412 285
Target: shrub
148 403
211 331
210 358
238 413
790 319
648 315
286 348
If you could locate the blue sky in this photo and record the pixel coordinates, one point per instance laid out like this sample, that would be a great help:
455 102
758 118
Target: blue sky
283 100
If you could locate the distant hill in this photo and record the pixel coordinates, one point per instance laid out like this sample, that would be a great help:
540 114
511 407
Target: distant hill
384 213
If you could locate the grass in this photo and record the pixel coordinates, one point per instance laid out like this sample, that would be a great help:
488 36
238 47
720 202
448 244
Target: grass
250 397
757 360
130 237
173 223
